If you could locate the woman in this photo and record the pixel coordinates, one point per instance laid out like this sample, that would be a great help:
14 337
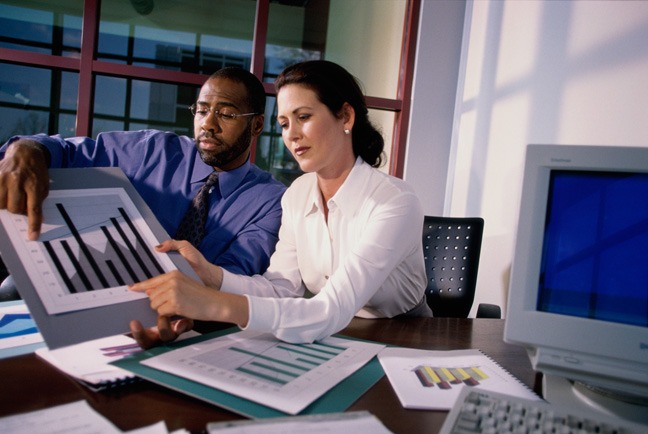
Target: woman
350 234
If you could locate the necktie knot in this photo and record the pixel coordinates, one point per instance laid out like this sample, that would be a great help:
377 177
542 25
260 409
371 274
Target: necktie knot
211 180
192 226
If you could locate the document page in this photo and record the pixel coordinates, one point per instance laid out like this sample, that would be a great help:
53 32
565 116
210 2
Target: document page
332 423
258 367
432 380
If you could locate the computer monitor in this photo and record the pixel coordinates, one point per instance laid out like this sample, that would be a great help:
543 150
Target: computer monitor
578 295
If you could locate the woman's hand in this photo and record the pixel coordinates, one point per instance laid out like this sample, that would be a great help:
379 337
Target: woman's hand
210 274
175 293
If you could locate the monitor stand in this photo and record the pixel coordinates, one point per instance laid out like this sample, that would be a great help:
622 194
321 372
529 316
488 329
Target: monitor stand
568 394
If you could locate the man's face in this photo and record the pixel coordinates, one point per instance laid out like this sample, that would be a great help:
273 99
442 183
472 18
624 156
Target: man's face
223 142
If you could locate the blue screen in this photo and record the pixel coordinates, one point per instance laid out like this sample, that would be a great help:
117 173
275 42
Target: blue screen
595 248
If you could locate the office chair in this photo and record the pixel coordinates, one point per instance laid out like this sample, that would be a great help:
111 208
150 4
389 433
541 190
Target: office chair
451 248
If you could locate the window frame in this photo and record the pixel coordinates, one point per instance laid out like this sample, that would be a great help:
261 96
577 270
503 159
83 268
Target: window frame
88 68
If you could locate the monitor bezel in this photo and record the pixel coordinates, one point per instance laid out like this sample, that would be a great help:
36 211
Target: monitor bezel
578 348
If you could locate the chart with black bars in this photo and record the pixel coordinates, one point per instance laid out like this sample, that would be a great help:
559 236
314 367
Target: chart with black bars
93 243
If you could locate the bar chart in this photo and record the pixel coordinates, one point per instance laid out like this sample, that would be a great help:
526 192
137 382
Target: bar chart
93 243
446 377
275 365
258 367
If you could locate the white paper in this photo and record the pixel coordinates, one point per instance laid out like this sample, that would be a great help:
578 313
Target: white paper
258 367
89 361
432 380
334 423
77 417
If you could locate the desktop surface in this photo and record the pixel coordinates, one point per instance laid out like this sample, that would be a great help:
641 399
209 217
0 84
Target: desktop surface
29 383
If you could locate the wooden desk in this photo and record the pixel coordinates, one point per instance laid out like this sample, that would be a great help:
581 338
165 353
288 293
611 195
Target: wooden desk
29 383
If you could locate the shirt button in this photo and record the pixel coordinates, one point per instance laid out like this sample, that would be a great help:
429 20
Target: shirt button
326 277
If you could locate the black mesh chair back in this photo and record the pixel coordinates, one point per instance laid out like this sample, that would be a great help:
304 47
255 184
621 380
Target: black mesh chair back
451 247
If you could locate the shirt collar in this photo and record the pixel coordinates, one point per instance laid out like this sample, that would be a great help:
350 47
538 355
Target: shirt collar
346 198
228 180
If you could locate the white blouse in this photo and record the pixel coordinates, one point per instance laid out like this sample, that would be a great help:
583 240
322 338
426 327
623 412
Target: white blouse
367 261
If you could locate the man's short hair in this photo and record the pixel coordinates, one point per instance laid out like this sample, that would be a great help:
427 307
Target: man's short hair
256 97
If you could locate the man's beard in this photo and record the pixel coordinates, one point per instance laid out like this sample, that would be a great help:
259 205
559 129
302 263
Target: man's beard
228 153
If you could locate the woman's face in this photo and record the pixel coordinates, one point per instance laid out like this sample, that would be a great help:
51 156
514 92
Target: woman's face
312 133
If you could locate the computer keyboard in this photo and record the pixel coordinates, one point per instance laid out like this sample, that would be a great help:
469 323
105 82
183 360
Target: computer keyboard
478 411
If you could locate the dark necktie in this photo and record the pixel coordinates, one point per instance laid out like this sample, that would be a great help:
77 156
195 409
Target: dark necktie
192 226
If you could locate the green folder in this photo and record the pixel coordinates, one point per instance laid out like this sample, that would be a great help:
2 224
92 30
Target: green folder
337 399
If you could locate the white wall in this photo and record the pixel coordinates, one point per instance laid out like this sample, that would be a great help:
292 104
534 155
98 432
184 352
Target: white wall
560 72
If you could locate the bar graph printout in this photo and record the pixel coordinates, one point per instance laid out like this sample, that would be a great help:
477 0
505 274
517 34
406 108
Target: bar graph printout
93 243
257 366
433 379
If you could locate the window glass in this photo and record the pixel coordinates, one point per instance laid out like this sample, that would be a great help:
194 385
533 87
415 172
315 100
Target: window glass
110 96
67 125
42 26
32 100
127 104
69 90
197 36
271 154
344 32
296 32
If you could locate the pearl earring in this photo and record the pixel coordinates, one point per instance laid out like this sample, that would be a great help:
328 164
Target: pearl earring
347 131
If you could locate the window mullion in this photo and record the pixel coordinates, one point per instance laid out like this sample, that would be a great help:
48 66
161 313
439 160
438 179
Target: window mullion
89 34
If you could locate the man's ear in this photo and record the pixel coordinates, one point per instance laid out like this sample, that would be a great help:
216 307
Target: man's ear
257 125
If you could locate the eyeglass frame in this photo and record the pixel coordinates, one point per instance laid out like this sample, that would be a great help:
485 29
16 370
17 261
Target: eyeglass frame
222 116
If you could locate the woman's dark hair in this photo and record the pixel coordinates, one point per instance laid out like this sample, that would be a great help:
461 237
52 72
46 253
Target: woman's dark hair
334 86
256 97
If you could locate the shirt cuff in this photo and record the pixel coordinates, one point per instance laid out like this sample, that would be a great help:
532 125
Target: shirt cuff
232 282
263 313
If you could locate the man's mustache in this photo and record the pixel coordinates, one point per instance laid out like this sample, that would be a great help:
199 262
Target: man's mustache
211 136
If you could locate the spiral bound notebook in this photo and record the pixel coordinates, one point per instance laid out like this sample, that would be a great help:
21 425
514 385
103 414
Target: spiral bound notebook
89 362
432 380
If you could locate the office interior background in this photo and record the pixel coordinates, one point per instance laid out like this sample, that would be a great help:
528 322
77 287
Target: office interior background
459 88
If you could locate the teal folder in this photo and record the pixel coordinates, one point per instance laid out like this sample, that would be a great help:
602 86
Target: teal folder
338 399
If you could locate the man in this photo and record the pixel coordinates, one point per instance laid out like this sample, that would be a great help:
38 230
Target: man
168 170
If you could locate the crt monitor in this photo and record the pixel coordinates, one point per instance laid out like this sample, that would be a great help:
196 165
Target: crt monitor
578 295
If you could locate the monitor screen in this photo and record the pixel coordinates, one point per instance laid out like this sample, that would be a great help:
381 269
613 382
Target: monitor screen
578 293
595 249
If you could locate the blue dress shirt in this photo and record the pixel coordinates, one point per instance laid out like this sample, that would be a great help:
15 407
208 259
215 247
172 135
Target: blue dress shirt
167 171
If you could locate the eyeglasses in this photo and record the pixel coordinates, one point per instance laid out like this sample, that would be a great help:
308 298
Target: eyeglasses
201 111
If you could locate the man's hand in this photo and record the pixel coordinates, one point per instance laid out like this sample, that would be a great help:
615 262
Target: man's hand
24 182
166 331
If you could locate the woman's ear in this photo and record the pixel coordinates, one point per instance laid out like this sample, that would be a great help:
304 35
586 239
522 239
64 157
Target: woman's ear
348 116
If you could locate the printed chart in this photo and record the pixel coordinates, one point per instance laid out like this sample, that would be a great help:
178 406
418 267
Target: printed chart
433 380
445 377
258 367
17 328
93 243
